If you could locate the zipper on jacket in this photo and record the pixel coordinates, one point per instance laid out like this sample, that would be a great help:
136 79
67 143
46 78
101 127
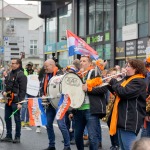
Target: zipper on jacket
126 115
102 106
136 116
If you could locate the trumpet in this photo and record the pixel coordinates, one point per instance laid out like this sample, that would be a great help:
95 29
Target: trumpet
106 83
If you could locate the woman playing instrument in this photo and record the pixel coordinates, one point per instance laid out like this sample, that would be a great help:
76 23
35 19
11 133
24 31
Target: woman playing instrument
130 106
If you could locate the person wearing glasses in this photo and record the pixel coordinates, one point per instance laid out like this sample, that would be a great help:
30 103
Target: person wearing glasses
15 90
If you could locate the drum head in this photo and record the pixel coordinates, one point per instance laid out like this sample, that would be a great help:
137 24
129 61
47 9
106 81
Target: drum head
53 90
71 84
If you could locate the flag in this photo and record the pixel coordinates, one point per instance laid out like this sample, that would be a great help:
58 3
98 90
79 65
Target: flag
78 46
37 116
63 106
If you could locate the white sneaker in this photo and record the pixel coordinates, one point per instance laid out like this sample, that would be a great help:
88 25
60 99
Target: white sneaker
38 130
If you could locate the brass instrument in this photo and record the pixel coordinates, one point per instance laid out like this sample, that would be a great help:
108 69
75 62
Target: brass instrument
148 104
109 108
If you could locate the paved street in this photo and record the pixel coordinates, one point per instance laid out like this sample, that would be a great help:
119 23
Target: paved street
30 140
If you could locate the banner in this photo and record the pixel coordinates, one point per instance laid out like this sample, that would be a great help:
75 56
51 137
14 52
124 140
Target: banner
63 106
37 116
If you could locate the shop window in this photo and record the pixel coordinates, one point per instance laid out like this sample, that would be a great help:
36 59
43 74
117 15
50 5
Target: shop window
99 49
106 15
107 51
143 30
91 16
65 20
120 13
142 11
119 34
99 16
81 18
51 32
131 11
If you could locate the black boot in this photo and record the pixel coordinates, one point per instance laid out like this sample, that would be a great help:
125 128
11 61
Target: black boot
6 139
16 140
50 148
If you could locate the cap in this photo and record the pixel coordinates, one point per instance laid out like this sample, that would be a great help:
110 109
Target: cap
30 63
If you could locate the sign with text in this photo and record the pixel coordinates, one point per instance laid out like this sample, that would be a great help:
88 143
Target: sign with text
131 48
130 32
141 46
95 39
120 50
33 85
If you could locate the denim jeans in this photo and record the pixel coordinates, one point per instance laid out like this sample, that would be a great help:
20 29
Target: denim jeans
50 114
71 134
146 132
8 112
84 118
64 130
24 112
99 131
126 139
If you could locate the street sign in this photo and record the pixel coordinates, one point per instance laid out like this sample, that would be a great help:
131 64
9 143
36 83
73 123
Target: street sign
5 38
1 49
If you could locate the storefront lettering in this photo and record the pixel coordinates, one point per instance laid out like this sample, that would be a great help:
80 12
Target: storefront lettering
119 49
94 39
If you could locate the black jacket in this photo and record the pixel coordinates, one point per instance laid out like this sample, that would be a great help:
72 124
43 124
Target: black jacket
132 105
97 98
16 82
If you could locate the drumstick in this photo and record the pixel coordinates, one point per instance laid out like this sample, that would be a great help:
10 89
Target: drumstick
71 129
26 99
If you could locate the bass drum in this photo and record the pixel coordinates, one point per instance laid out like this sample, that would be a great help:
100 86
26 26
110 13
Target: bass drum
71 84
53 90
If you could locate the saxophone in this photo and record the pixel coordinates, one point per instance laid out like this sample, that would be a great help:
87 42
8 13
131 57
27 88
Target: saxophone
109 107
148 104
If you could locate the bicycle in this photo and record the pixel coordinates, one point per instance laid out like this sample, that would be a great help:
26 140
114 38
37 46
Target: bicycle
1 121
1 127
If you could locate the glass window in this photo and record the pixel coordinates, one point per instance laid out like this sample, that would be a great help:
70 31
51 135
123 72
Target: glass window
143 30
99 49
120 13
99 16
130 11
142 11
107 51
65 20
81 18
106 15
91 15
51 33
119 34
33 47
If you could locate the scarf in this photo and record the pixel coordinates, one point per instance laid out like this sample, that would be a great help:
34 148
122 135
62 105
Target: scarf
114 117
46 80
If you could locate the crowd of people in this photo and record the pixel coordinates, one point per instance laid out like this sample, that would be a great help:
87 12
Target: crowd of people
128 89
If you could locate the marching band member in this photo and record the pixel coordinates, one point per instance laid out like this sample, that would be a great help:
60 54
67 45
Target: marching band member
50 71
15 90
146 128
130 106
93 108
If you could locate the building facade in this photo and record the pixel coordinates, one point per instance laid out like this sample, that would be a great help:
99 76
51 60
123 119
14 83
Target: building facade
21 34
116 29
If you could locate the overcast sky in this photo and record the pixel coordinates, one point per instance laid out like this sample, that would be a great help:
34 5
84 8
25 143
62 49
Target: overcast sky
20 2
